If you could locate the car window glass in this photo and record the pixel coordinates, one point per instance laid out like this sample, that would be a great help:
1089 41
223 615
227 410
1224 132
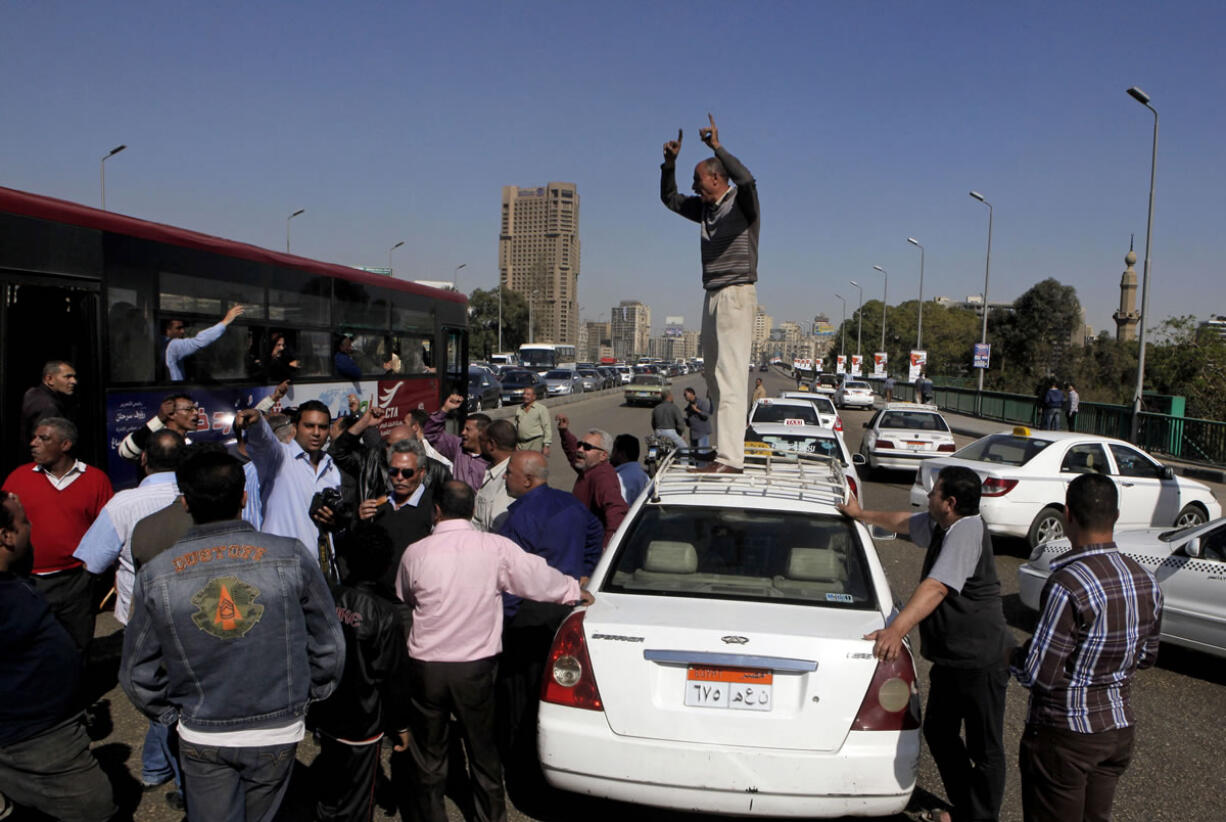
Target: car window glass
733 554
822 446
1132 463
1006 449
1214 544
1086 458
780 413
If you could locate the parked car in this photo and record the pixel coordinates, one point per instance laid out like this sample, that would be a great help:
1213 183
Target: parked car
593 380
786 411
827 414
1189 564
1025 474
902 434
853 392
645 389
805 439
722 667
484 390
516 380
563 381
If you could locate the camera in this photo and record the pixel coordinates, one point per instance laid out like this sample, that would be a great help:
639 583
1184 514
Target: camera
332 499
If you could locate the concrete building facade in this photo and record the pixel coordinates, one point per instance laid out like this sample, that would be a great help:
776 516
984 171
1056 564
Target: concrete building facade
630 329
538 256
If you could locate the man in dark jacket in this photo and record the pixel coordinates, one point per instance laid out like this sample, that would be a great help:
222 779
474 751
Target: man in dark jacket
225 606
50 398
667 421
45 761
597 486
373 696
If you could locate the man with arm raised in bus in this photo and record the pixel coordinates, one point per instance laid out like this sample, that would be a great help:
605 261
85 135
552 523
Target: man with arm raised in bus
179 346
729 243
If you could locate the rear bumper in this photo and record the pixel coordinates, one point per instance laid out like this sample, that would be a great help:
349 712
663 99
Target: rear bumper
1030 585
899 460
872 774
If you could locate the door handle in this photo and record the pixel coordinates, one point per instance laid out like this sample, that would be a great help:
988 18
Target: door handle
1126 484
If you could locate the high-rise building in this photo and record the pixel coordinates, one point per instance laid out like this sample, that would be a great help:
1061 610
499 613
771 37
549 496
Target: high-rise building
630 329
538 257
596 341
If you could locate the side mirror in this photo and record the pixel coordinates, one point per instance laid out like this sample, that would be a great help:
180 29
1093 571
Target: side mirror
864 425
1168 472
858 459
1193 548
880 534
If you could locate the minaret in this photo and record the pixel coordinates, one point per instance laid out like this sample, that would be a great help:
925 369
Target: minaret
1127 317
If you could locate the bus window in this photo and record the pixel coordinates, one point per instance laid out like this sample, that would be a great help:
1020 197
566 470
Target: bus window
225 359
133 348
415 353
405 318
181 294
315 353
370 352
297 308
357 308
455 355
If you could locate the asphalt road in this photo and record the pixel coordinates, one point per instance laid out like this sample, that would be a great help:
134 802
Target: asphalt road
1176 772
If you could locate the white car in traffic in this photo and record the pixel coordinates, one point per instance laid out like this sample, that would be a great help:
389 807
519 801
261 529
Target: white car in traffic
902 434
785 411
722 667
1025 474
853 392
1189 564
783 439
827 414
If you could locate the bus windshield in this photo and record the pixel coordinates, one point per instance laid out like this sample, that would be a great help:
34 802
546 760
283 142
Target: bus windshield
538 357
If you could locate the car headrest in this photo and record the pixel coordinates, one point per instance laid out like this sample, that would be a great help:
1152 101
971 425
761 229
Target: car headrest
668 557
814 564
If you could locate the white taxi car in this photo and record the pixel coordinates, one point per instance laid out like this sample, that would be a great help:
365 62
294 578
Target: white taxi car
1025 474
787 412
761 437
1189 564
722 667
854 392
827 414
903 433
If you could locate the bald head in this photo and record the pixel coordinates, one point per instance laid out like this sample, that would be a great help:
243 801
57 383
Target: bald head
526 470
400 432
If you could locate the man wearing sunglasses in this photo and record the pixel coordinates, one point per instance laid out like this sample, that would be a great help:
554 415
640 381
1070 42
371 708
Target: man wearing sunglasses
597 486
178 412
406 513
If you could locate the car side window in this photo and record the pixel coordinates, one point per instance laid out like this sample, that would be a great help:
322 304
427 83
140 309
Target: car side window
1087 458
1133 463
1213 544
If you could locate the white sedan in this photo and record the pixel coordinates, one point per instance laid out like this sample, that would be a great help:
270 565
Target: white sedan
785 411
1189 564
854 392
1025 474
780 438
827 414
722 667
902 434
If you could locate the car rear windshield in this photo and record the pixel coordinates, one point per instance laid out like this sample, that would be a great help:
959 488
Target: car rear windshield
780 413
1006 449
863 386
518 378
644 379
558 375
726 553
825 446
913 420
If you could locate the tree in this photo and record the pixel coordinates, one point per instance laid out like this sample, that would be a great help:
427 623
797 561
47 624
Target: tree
1034 339
948 335
483 322
1190 361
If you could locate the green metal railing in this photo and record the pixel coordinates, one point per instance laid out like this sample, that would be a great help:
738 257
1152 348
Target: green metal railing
1193 440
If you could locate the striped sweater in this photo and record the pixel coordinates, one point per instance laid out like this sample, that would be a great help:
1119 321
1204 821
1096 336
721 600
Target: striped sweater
729 233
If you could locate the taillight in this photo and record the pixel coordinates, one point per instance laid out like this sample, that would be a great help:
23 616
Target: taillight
947 447
838 423
569 679
892 701
994 487
884 444
851 483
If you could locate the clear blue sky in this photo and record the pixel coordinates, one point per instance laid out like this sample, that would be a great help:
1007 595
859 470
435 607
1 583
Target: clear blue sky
863 122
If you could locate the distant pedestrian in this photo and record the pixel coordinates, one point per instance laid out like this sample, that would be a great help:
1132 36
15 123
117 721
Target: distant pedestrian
532 426
759 392
178 346
1099 618
625 460
1053 402
1072 404
887 388
923 387
667 421
53 397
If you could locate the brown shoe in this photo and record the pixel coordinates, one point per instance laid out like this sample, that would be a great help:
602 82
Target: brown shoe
716 468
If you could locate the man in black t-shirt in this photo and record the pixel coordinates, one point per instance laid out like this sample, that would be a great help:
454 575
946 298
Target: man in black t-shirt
963 633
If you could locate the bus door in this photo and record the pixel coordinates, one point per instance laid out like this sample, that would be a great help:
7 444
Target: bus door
49 318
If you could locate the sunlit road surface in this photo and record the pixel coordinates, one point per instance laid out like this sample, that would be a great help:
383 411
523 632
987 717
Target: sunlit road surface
1176 772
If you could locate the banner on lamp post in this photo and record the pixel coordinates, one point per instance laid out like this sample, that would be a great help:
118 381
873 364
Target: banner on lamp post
880 361
919 362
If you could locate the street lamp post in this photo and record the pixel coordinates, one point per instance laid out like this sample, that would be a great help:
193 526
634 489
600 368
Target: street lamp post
287 219
500 313
884 290
919 323
1143 98
843 325
102 170
455 276
987 271
859 315
390 270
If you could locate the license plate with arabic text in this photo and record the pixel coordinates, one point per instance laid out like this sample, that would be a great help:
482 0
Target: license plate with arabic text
742 689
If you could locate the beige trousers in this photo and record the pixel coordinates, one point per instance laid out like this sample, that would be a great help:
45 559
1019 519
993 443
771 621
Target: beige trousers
727 331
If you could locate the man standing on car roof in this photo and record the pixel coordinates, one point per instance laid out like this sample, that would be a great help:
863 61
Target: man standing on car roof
1099 620
962 632
729 243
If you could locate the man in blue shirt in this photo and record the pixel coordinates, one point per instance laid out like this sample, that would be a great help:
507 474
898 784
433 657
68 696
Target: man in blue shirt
557 526
625 460
179 346
343 360
291 473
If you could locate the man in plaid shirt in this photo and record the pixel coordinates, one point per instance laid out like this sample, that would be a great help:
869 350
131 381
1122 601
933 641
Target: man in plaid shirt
1100 614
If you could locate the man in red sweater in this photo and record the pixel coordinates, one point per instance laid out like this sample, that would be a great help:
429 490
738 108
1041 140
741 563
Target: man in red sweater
62 497
597 486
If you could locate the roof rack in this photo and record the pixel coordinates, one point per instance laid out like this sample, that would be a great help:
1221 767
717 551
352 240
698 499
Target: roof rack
769 472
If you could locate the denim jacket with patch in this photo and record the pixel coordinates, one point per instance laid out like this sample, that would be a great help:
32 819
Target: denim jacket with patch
231 629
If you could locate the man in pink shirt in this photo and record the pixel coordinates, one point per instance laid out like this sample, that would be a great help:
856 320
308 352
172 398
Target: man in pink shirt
452 579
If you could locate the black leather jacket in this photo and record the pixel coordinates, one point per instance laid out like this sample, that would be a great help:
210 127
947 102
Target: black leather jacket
363 464
373 694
